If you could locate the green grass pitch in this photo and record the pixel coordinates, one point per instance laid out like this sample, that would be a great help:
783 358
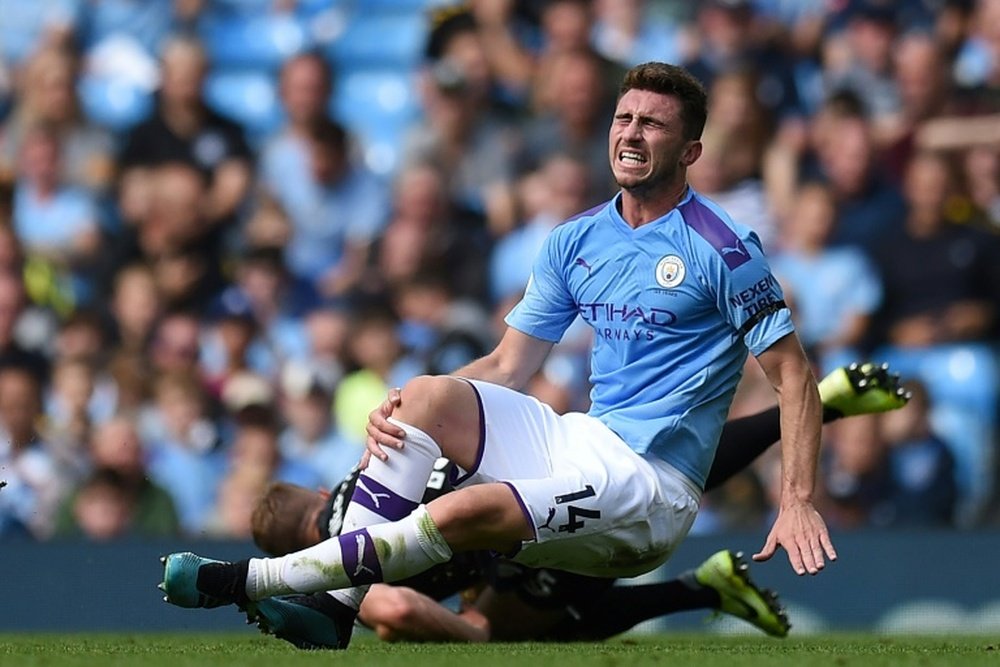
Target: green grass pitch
243 650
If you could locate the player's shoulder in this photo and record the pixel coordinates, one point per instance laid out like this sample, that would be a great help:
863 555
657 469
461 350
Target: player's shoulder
715 233
580 223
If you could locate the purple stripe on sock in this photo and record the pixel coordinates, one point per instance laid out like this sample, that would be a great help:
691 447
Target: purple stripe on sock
710 226
380 499
482 439
361 565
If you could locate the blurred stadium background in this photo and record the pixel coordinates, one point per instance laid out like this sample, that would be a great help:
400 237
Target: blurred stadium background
227 226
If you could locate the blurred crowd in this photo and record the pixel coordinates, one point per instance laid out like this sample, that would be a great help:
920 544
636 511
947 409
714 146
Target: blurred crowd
227 227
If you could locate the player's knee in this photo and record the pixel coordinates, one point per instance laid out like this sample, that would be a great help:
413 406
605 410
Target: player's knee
423 399
445 408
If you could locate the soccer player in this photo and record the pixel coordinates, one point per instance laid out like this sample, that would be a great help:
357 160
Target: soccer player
517 603
677 295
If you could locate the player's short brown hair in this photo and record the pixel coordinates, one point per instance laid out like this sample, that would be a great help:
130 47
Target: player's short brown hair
674 81
279 520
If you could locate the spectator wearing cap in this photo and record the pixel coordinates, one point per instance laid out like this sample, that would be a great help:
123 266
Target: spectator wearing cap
310 437
228 339
461 132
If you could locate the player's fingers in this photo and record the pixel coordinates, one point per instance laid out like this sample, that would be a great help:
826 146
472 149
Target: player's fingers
768 550
379 418
380 437
827 543
395 396
363 464
373 449
795 558
817 554
804 547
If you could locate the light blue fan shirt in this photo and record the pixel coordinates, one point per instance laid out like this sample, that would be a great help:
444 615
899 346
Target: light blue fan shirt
675 305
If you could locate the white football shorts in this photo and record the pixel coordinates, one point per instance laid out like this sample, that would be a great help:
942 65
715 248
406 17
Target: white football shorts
597 507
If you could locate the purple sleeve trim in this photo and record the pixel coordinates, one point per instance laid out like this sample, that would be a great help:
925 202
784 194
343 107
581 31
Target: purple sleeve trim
711 227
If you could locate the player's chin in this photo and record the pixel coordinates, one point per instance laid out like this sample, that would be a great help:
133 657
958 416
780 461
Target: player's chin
630 180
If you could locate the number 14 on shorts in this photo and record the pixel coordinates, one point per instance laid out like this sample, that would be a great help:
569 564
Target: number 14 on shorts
575 514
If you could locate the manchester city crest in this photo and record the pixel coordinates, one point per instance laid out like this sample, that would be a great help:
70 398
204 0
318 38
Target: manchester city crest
670 271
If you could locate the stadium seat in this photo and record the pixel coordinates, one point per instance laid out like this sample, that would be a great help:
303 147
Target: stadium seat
386 40
252 41
113 103
248 97
377 106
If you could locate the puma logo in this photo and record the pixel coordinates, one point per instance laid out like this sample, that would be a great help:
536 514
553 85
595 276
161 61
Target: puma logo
362 541
729 250
552 515
374 496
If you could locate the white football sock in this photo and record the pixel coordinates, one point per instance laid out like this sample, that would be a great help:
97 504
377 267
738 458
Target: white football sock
384 552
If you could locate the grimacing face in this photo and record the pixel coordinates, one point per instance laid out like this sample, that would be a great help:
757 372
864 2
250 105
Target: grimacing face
646 141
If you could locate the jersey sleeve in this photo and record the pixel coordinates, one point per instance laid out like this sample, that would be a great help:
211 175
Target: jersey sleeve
547 308
751 300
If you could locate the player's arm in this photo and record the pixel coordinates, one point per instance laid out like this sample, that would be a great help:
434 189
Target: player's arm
798 527
397 613
516 358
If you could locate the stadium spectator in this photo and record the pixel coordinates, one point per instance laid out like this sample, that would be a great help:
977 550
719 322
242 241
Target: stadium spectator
941 279
836 290
923 490
48 97
183 129
115 447
574 120
557 191
135 306
184 451
305 86
428 230
335 212
475 149
56 224
630 32
31 470
869 206
310 437
858 59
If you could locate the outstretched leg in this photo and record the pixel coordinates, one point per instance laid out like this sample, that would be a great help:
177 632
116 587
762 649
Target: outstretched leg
853 390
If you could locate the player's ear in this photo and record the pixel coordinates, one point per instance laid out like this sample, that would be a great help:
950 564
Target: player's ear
691 153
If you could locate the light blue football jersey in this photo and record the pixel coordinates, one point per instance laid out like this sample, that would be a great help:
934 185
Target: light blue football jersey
675 305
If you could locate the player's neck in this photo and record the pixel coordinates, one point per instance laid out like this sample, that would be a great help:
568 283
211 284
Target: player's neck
640 207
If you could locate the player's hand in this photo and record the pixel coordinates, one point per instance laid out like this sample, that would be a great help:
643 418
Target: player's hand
382 432
802 532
